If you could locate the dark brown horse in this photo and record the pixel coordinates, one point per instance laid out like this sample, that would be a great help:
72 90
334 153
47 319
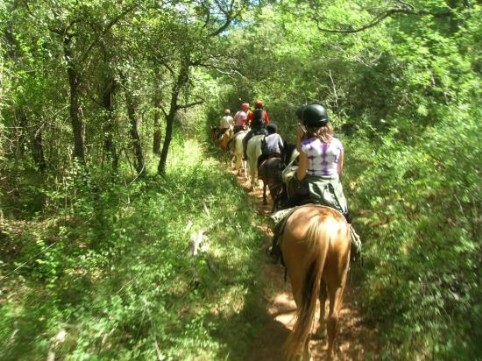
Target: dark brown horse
270 171
316 251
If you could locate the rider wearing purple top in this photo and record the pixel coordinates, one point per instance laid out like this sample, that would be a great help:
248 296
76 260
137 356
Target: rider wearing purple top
320 167
323 158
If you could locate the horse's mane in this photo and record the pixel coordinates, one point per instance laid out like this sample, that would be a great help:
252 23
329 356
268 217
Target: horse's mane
288 151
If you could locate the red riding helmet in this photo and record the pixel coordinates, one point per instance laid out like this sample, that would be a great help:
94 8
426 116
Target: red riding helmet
258 104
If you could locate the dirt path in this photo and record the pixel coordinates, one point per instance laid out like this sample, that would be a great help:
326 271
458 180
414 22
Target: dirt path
355 341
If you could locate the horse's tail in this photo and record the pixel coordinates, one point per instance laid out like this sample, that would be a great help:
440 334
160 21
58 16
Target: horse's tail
317 242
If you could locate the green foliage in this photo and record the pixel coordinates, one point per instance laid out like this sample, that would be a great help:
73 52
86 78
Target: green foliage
419 214
111 279
93 261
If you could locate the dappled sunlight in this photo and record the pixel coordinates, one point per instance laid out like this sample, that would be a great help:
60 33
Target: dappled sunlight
187 155
283 309
129 229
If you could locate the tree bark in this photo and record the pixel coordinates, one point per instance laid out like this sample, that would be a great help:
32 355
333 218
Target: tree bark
38 150
108 126
161 169
182 79
136 141
157 136
21 134
74 109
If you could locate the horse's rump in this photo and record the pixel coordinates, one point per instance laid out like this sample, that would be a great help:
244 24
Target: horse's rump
237 151
269 172
225 138
239 136
253 151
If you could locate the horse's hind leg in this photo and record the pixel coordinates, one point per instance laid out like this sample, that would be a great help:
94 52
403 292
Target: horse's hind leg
238 164
306 351
336 302
321 331
265 201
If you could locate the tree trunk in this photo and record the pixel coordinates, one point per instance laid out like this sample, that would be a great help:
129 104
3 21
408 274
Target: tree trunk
38 150
75 119
30 138
131 113
182 79
156 142
161 169
21 134
108 125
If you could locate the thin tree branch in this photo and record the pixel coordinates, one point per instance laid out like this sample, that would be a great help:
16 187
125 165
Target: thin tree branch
107 28
407 10
188 105
230 14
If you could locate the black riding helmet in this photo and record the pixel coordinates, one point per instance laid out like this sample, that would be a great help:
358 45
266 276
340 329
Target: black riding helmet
299 112
272 128
314 115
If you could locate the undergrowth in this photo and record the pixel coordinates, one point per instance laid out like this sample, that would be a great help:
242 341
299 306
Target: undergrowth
418 209
109 277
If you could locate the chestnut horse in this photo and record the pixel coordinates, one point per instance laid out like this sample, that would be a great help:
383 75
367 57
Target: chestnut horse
316 251
221 140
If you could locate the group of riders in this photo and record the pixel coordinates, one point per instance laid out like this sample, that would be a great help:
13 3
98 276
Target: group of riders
317 169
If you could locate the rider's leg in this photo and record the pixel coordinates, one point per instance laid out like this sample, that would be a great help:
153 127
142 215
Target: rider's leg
245 143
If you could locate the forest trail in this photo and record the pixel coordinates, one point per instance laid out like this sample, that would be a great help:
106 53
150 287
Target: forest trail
355 341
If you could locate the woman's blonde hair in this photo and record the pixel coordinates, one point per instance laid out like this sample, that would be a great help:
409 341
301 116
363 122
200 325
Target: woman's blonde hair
324 133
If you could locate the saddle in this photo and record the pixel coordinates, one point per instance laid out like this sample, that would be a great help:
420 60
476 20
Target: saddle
259 131
264 157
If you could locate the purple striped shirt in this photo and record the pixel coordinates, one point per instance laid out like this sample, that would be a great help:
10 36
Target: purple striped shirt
322 158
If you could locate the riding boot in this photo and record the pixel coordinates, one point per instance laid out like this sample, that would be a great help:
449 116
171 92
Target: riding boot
245 144
348 217
275 251
356 244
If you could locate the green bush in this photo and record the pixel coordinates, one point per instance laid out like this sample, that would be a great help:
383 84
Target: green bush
418 207
111 278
